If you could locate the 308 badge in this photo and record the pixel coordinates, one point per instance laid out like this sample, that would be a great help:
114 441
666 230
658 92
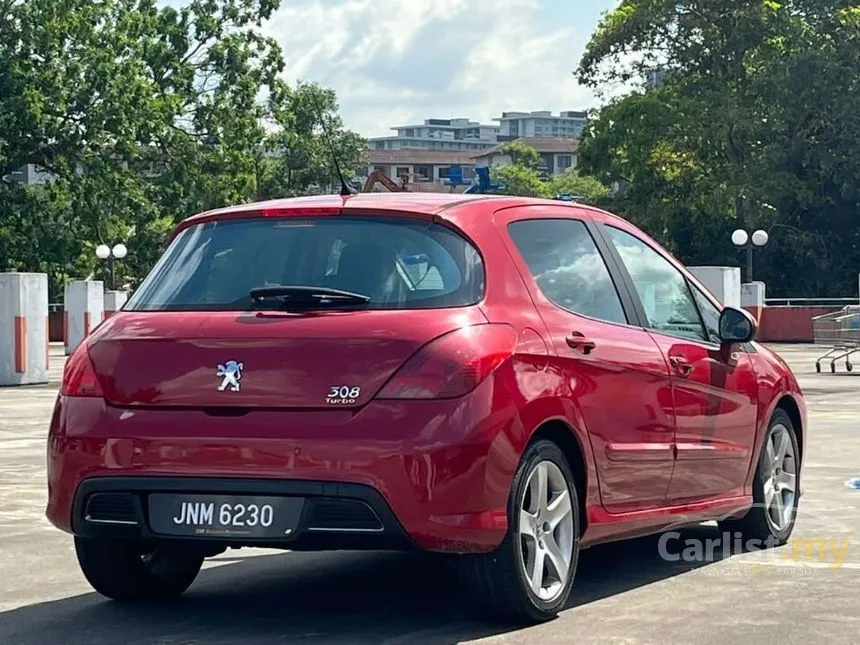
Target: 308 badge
343 395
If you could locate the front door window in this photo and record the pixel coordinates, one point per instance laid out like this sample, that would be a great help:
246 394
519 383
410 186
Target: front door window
663 289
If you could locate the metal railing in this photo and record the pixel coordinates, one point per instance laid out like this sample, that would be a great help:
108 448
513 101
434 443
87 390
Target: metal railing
811 302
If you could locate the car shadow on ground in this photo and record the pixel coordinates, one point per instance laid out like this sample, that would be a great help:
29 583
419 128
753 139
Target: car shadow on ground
354 598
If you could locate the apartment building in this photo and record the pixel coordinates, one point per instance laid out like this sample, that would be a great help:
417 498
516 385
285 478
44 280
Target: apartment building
440 134
565 125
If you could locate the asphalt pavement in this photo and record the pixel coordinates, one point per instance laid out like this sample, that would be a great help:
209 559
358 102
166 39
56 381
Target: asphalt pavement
625 593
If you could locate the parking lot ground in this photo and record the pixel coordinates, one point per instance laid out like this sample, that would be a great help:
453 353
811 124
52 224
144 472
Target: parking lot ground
805 592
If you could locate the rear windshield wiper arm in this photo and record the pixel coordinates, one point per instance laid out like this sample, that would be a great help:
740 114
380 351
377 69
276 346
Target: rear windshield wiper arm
304 296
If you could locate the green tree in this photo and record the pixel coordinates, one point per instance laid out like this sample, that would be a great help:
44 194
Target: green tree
520 177
296 157
571 182
753 125
521 154
521 181
144 115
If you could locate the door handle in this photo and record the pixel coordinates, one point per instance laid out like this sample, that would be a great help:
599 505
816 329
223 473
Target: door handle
580 343
681 365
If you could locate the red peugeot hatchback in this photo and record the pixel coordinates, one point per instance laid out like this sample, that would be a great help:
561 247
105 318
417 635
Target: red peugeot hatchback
501 379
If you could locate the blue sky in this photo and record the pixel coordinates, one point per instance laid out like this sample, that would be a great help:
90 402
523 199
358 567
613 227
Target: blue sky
394 62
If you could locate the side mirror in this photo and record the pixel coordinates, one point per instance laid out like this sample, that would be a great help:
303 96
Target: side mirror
737 326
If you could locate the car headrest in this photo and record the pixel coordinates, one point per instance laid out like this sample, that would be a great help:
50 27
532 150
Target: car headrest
366 268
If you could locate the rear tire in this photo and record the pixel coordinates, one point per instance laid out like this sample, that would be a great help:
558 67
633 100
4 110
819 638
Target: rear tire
505 583
775 487
124 570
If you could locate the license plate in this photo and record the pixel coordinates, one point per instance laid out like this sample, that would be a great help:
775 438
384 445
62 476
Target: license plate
224 515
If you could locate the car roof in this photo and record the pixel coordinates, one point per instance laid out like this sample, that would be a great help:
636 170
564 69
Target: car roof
430 204
424 203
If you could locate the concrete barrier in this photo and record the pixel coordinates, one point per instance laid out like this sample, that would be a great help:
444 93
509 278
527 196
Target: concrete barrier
723 282
83 308
752 298
23 328
114 300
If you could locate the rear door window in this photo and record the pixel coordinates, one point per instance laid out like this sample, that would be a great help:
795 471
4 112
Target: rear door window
398 263
568 267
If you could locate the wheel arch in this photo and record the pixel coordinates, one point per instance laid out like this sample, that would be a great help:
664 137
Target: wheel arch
560 421
787 404
785 401
565 437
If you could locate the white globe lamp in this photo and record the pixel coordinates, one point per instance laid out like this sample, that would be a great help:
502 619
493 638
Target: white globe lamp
760 238
740 237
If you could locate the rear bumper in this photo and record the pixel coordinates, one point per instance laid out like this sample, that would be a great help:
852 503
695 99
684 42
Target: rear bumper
334 515
437 473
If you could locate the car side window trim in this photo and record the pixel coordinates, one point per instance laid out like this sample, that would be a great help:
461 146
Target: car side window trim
627 303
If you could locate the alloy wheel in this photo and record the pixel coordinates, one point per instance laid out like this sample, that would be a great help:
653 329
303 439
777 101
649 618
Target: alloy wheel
546 531
780 481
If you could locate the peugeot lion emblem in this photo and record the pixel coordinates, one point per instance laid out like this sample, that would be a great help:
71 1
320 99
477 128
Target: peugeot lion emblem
231 373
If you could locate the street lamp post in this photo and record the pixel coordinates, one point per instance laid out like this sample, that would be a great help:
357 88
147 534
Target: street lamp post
105 252
742 239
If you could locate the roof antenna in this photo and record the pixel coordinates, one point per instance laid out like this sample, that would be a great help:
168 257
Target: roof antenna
345 189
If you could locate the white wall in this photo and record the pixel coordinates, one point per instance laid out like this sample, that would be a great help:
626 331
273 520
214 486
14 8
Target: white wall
723 282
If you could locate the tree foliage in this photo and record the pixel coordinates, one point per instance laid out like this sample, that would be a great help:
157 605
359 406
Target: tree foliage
521 154
521 177
571 182
520 180
753 125
143 115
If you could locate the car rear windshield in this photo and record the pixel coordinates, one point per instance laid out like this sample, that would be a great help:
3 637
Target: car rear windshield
399 263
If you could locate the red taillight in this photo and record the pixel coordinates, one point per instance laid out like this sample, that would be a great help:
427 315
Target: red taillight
79 375
452 365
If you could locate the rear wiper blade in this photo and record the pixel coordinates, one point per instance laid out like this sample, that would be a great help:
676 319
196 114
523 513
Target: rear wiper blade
304 296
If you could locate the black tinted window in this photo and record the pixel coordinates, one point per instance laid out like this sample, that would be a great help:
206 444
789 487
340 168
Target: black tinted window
568 268
398 263
661 287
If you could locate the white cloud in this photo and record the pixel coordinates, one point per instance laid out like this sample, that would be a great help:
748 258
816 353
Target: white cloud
517 66
398 61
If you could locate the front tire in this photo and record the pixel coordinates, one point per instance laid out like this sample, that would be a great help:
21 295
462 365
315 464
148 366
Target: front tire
528 578
775 487
126 571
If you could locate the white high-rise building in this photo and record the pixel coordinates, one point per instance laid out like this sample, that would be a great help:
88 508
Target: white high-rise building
440 134
566 125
